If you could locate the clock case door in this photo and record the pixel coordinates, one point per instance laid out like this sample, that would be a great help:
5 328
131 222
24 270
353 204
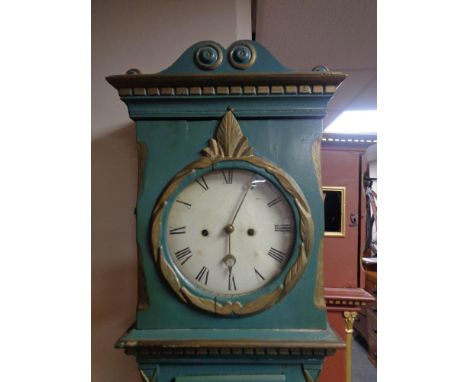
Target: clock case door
225 304
176 112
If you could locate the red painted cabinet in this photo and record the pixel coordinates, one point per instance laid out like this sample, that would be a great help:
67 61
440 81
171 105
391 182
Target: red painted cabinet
343 168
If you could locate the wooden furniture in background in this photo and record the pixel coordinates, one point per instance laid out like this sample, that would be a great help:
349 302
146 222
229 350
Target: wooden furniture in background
343 167
366 323
343 304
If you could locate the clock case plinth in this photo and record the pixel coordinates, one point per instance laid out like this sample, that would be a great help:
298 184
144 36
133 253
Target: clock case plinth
176 112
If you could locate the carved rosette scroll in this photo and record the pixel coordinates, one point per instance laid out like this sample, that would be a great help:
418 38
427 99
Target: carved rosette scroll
230 144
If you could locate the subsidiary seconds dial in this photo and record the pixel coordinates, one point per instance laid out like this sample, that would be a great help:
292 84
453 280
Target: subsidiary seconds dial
230 232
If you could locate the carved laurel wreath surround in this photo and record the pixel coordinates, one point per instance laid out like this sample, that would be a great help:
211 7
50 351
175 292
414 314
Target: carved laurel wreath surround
231 144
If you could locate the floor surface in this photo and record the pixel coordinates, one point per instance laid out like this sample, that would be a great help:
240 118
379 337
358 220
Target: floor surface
363 370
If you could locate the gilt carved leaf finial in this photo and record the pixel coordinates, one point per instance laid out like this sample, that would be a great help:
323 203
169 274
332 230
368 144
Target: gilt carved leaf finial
229 141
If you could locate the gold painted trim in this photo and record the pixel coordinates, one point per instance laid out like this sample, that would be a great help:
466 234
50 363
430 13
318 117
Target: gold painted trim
227 79
196 90
225 90
139 91
202 303
317 161
296 270
262 303
277 89
338 303
124 92
211 305
236 90
317 89
342 190
170 276
349 318
230 143
319 299
305 89
167 91
182 91
250 90
209 90
222 90
300 346
291 89
142 291
263 89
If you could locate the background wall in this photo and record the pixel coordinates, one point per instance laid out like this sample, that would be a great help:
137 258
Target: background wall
339 34
148 35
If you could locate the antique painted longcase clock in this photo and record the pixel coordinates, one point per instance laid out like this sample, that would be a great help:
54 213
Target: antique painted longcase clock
229 217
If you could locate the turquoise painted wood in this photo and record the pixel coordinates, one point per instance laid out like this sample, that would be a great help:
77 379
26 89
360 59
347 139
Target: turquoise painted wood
229 372
265 62
176 112
234 378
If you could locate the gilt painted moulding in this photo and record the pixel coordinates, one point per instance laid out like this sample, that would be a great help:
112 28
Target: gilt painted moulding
244 68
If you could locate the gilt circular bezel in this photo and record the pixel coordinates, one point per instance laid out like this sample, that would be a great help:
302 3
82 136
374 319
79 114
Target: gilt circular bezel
269 294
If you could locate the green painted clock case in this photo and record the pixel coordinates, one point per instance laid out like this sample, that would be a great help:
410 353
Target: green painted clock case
177 112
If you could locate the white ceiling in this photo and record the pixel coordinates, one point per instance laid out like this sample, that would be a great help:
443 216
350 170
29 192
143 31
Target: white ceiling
340 34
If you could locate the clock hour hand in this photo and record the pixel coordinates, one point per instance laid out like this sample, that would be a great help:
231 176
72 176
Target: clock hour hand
230 261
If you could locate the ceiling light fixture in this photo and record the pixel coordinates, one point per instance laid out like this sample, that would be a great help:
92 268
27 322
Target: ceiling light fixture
354 122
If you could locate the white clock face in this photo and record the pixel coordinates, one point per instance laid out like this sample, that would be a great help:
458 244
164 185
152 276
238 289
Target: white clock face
230 232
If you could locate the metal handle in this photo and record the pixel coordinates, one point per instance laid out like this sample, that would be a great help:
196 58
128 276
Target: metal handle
352 220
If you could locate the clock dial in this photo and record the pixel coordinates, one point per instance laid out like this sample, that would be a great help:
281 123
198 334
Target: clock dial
230 232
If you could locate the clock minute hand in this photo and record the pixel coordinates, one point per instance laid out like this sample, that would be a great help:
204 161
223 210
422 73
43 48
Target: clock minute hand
229 259
252 184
